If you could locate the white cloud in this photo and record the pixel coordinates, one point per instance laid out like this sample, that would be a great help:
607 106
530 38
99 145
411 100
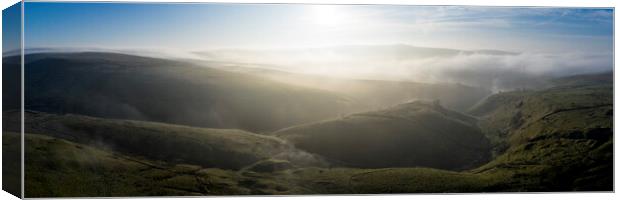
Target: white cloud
491 69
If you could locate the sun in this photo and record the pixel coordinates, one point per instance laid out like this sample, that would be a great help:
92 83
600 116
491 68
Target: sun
327 15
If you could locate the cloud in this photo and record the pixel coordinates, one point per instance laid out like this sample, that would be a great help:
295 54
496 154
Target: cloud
526 70
492 69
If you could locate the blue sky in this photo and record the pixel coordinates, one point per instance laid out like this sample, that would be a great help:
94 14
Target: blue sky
11 27
208 26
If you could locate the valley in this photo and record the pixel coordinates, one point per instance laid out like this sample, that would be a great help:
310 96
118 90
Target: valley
163 127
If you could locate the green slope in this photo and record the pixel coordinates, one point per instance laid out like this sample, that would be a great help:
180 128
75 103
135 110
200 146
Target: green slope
152 89
556 139
221 148
60 168
11 162
407 135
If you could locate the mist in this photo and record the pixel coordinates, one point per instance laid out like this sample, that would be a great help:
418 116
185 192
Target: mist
494 70
490 69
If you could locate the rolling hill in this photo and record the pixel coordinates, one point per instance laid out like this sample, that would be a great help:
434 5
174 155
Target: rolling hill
221 148
145 126
78 156
61 168
179 92
150 89
416 134
555 139
62 162
561 141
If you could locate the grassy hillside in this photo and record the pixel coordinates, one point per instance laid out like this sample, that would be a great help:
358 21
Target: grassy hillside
85 156
574 103
407 135
60 168
559 138
556 139
151 89
11 163
57 167
221 148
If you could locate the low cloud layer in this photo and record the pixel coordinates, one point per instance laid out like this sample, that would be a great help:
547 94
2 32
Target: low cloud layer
497 70
490 69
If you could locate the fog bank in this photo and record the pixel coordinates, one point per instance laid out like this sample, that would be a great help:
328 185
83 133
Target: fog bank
491 69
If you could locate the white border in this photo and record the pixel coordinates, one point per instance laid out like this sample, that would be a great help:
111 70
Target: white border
555 3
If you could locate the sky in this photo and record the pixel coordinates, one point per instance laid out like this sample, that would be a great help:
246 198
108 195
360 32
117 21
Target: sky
11 28
195 27
387 42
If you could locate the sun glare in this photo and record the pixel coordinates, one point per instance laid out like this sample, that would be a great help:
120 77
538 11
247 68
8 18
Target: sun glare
327 15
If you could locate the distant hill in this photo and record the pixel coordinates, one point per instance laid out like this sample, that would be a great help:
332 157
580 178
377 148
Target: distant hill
382 52
414 134
374 94
121 86
11 83
141 88
584 79
394 62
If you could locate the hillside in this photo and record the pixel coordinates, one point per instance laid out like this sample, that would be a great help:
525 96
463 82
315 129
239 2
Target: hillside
151 89
560 138
175 128
408 135
60 168
209 95
11 162
554 139
221 148
506 113
75 156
